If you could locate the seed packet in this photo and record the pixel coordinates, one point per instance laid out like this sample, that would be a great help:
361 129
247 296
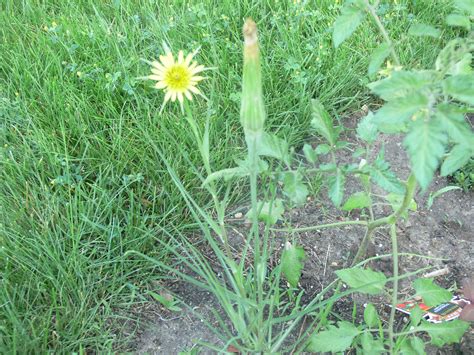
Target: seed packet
441 313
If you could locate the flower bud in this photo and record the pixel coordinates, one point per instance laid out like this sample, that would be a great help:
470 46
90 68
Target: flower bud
252 112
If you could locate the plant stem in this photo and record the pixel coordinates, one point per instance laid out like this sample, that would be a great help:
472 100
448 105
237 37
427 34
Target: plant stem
363 246
392 219
383 31
319 226
393 234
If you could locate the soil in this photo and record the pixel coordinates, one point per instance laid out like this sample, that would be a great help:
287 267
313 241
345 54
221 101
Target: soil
446 231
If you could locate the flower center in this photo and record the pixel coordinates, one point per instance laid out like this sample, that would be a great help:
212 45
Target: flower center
178 77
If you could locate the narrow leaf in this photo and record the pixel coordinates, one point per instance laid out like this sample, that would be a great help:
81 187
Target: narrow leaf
425 144
292 263
457 20
371 316
310 154
421 29
364 280
445 189
322 122
346 23
378 58
336 187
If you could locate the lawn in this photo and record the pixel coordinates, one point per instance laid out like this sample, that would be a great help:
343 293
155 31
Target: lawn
80 182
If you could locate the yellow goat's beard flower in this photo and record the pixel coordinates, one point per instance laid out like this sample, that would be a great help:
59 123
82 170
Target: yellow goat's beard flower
177 79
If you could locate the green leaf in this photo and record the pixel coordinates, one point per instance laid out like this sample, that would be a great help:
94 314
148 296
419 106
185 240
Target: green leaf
327 167
371 316
294 188
270 213
367 129
322 122
412 346
243 169
310 154
378 58
401 83
370 346
346 23
451 119
272 146
393 116
465 5
336 187
382 175
445 189
364 280
416 314
166 300
357 200
292 263
421 29
425 144
322 149
333 339
457 20
396 202
445 332
457 158
431 293
460 87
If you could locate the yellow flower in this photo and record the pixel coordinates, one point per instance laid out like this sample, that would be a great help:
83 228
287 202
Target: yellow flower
177 79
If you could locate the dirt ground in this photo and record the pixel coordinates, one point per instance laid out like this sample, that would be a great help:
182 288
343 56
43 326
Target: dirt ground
444 231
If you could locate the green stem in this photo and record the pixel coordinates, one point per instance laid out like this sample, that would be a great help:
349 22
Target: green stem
392 219
393 234
383 32
319 226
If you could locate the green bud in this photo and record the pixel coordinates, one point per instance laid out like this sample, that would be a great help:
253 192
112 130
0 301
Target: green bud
252 112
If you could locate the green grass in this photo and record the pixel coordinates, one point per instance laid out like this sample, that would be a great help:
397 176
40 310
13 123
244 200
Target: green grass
80 184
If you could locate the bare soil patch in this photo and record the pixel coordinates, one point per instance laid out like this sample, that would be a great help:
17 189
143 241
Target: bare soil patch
444 232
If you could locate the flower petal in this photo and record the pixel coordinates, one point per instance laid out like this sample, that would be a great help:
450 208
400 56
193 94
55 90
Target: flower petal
180 57
180 97
160 85
155 77
198 69
197 78
194 89
188 59
188 95
157 71
168 96
157 65
167 59
173 96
